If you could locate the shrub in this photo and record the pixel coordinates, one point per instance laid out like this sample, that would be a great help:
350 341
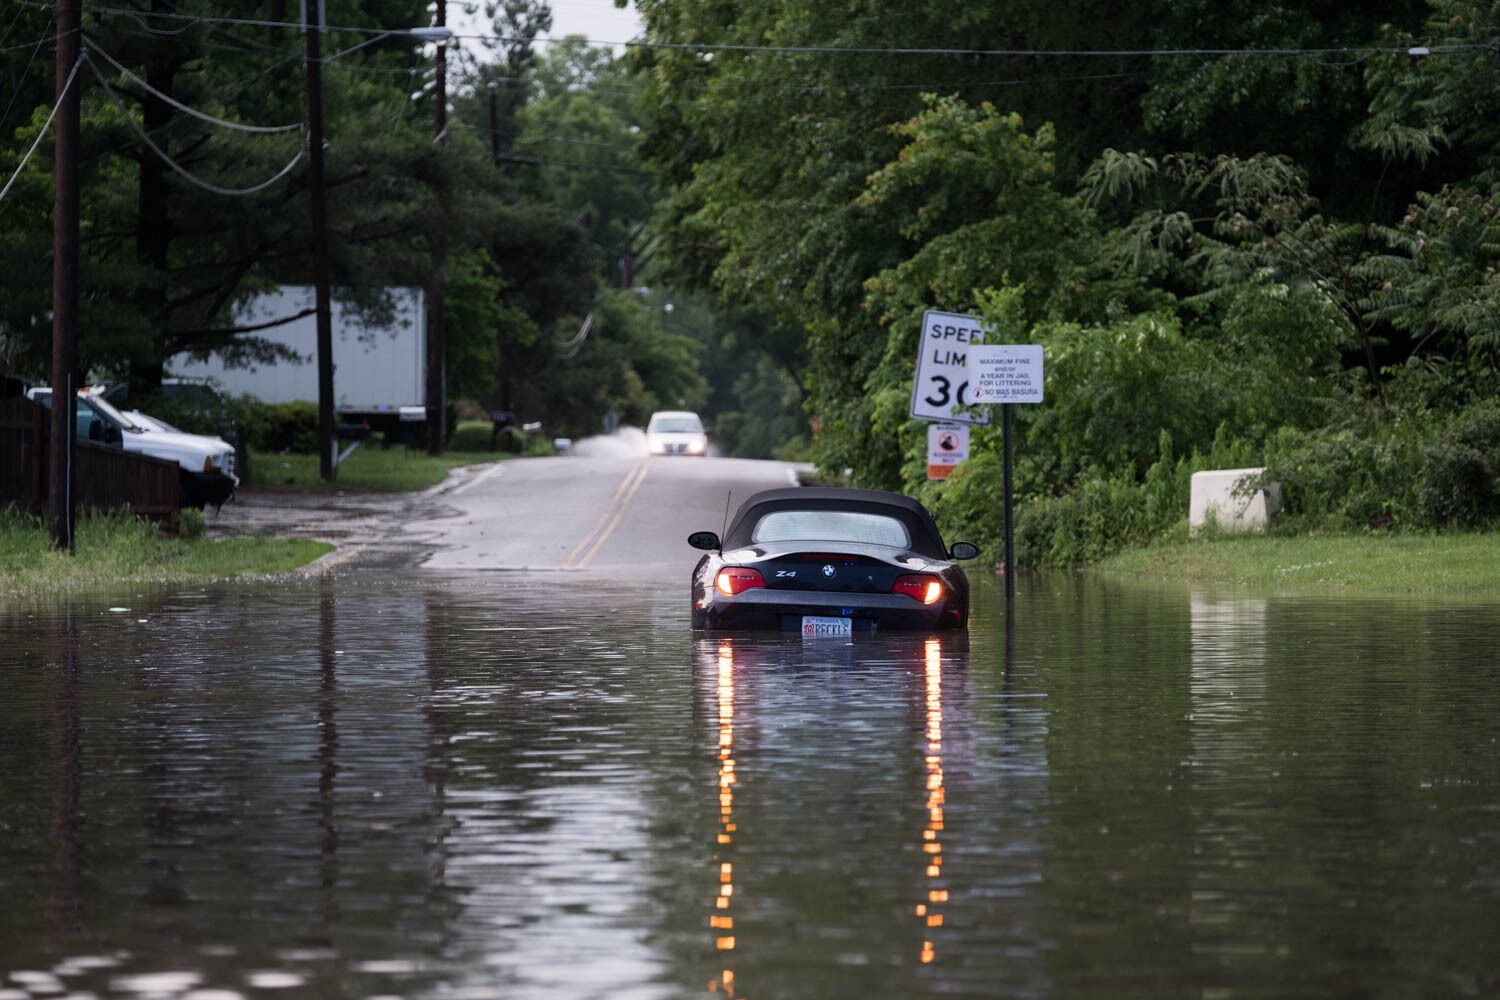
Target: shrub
1393 467
190 522
1459 485
1099 514
284 427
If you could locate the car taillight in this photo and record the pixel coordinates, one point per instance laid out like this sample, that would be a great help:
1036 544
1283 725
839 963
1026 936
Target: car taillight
920 586
737 579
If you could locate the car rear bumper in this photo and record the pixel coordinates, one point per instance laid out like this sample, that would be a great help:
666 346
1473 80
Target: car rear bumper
781 610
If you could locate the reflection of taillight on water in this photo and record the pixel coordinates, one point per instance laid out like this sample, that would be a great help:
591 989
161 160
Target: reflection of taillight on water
737 579
922 587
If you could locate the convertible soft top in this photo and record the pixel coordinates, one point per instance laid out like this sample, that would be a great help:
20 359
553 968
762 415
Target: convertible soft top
925 538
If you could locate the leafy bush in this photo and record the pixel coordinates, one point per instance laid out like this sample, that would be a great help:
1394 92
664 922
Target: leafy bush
1393 465
1460 481
190 522
284 427
1097 516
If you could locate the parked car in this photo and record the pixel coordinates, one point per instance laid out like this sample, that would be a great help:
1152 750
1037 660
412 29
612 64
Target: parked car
830 562
206 463
192 405
676 432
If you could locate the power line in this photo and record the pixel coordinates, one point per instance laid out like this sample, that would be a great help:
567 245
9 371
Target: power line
27 45
729 47
179 168
45 126
201 116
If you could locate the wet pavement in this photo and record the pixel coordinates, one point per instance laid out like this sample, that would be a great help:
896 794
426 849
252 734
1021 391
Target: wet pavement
364 527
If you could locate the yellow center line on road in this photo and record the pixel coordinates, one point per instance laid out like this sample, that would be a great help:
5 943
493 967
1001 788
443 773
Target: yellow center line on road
591 543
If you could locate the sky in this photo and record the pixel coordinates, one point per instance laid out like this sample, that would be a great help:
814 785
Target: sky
596 20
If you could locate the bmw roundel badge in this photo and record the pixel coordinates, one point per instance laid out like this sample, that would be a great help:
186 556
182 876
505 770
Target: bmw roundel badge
828 569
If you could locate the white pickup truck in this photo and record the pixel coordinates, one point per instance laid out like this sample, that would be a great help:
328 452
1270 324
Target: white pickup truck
207 463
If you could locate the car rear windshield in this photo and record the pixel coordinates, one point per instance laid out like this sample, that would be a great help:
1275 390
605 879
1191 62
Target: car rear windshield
831 526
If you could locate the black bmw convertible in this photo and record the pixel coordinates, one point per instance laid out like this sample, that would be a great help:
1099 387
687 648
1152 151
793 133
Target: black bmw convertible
824 561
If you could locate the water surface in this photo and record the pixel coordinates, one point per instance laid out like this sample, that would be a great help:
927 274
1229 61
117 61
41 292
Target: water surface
546 786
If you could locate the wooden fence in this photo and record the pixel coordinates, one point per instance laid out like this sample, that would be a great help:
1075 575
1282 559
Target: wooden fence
104 477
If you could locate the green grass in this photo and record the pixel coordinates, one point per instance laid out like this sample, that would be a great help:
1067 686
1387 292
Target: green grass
397 469
1448 565
111 549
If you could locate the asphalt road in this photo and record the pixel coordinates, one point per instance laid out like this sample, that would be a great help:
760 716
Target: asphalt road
608 506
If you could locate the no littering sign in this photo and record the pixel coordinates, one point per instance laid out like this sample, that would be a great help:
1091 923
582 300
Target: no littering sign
1005 373
947 446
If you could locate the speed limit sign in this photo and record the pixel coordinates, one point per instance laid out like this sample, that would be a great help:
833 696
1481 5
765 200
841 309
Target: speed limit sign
942 382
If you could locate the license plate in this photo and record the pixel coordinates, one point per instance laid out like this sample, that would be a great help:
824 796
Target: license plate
820 628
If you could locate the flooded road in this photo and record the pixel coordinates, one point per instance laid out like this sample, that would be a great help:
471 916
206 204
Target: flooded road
444 783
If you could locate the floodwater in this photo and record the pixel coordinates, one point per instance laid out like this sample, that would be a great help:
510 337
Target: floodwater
547 787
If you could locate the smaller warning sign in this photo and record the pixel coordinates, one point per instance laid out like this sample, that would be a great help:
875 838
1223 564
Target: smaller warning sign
947 445
1005 373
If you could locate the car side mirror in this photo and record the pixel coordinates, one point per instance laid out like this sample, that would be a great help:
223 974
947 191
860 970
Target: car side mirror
96 430
705 540
963 550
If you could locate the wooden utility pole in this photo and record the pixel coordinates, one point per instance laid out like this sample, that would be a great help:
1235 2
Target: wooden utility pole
313 28
494 89
64 278
437 381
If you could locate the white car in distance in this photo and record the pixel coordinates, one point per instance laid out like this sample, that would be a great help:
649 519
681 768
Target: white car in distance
676 432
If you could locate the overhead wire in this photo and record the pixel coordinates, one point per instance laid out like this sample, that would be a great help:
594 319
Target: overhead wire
62 95
173 164
731 47
36 47
168 98
26 45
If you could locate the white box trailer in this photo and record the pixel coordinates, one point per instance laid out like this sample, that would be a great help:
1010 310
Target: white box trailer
379 371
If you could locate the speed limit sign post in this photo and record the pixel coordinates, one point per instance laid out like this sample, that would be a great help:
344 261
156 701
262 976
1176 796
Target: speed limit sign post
957 371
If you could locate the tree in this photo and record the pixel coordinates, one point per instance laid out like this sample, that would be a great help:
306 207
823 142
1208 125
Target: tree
577 150
189 214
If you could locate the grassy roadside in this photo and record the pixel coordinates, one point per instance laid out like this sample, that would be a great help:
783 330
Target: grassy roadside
371 467
112 549
1458 565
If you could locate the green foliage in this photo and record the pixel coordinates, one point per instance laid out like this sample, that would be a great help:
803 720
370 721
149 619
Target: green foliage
190 523
476 320
1460 482
575 148
1101 513
282 427
1399 466
1246 103
1422 108
624 362
768 416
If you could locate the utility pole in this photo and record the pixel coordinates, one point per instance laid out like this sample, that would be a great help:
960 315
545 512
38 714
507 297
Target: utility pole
494 89
64 279
437 376
313 27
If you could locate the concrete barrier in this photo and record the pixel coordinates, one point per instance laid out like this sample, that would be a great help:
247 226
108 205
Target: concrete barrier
1215 498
